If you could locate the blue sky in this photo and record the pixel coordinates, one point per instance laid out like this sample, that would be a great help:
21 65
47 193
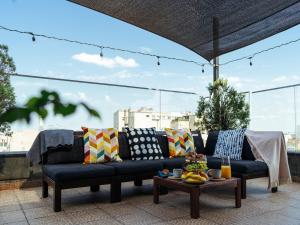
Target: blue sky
59 59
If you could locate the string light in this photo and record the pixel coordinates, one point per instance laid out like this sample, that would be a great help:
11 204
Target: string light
249 57
101 46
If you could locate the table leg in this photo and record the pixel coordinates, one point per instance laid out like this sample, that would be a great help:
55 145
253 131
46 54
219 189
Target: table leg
155 192
238 195
194 202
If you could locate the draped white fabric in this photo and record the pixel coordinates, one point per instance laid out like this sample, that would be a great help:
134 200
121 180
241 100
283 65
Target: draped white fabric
269 146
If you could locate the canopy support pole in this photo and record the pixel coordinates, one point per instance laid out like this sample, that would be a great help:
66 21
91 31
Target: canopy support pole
216 48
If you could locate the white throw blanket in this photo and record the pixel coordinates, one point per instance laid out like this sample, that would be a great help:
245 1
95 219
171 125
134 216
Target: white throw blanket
269 146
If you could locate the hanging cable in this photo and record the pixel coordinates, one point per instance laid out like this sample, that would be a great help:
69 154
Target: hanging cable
100 46
248 57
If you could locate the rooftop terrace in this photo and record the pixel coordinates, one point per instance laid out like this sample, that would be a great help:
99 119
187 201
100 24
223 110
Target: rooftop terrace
80 206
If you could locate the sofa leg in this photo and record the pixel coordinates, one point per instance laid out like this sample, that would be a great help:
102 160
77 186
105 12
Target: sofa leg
94 188
115 191
274 189
244 187
138 182
56 198
44 189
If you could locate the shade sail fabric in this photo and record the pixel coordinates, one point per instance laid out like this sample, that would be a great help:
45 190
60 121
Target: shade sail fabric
190 22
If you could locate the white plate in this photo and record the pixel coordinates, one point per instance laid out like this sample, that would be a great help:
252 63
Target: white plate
174 178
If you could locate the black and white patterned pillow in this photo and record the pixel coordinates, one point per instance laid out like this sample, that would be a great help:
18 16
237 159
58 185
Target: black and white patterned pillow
230 143
143 144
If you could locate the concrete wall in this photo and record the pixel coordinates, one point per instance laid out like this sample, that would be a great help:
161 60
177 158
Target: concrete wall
15 166
294 162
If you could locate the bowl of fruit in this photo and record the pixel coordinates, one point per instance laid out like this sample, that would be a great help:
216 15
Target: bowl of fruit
194 178
195 168
195 162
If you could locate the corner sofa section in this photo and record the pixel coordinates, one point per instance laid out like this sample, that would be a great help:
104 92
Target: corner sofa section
64 168
247 168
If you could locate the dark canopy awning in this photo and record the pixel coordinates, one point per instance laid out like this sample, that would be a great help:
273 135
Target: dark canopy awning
189 23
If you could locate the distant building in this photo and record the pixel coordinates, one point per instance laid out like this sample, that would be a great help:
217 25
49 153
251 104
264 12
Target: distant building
20 140
146 117
186 121
121 119
4 143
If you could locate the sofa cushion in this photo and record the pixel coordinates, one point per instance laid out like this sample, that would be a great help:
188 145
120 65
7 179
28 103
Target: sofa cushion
131 167
239 166
77 171
198 141
247 152
211 142
143 144
172 163
64 154
124 150
180 142
163 143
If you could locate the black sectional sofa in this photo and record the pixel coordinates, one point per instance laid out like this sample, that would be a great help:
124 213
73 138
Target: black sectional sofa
63 168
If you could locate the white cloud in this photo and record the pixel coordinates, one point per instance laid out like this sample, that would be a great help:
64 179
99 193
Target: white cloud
81 96
286 78
280 79
146 49
124 74
239 82
95 78
235 81
107 98
110 101
105 61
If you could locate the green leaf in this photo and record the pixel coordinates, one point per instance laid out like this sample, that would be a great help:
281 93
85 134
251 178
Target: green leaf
38 105
14 114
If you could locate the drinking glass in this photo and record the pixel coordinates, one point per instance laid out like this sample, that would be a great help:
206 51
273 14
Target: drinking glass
225 167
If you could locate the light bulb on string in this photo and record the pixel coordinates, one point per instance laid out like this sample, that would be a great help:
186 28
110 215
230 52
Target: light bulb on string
101 52
158 62
202 68
250 63
33 37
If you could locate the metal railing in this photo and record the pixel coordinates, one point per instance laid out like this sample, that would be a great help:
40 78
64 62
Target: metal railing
126 105
277 109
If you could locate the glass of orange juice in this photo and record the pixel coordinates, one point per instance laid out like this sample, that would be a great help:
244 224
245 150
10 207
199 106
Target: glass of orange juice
225 167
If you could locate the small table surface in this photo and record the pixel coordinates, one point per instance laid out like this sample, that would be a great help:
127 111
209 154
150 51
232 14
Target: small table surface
195 189
208 184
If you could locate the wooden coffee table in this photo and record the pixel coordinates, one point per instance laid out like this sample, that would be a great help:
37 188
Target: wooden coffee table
194 190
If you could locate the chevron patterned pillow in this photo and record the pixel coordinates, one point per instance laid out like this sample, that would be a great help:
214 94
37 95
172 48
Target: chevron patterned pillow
180 142
100 145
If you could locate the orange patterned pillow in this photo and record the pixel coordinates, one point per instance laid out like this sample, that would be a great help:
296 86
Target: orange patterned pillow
100 145
180 142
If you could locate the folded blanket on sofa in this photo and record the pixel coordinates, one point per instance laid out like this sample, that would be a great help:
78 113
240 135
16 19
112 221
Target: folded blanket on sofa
269 146
49 139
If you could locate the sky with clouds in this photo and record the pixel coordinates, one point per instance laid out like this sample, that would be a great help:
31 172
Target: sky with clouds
65 60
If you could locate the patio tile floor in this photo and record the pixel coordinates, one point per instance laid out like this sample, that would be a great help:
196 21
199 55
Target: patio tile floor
79 206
